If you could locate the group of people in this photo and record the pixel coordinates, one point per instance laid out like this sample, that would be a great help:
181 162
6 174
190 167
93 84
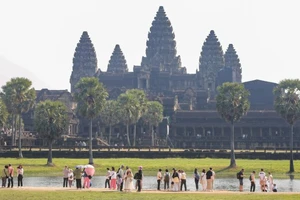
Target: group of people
266 182
7 176
123 179
80 175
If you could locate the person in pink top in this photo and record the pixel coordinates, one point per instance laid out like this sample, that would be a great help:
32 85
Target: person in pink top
20 173
10 176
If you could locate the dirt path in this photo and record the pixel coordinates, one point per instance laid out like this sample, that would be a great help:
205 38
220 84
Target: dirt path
143 191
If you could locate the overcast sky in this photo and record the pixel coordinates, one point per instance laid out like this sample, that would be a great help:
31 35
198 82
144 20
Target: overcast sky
41 35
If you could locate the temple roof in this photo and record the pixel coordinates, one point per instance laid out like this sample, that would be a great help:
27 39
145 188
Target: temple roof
161 46
212 58
232 60
117 62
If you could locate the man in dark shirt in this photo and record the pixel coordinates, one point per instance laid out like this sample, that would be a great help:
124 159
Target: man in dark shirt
209 175
241 177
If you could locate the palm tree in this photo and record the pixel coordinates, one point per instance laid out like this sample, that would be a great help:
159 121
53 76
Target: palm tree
232 104
153 116
19 97
110 115
128 111
51 121
141 107
287 105
90 96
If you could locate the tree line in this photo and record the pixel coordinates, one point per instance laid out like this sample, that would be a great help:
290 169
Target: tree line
51 119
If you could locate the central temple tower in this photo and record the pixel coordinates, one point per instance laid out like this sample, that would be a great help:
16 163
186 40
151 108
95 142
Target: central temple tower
161 46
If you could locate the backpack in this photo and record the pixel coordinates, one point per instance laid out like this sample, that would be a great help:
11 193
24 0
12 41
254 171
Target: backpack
238 175
167 177
197 176
137 176
250 178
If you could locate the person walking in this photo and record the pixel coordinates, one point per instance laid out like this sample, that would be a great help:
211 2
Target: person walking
240 176
252 180
65 176
196 178
20 172
158 178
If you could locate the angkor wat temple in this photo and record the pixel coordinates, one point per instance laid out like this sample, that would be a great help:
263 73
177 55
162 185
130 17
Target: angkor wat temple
188 99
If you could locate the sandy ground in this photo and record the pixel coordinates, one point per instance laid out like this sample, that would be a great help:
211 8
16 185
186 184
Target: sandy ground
143 191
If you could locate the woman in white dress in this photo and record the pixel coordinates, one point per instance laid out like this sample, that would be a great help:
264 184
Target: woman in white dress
128 181
203 180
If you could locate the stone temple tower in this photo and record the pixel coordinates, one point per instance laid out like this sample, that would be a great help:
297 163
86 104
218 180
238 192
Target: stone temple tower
211 61
232 61
117 63
84 60
161 46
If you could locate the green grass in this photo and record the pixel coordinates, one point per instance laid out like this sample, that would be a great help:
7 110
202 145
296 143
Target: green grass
96 195
38 167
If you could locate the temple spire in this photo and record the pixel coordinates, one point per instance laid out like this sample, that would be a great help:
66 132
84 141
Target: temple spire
117 62
84 60
232 60
161 45
211 61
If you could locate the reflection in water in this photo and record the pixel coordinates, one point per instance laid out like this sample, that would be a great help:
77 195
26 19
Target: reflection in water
149 182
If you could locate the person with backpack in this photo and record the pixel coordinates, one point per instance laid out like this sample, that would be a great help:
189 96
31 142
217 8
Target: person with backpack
252 180
167 180
240 176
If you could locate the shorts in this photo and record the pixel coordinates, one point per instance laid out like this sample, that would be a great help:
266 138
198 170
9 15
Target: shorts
241 181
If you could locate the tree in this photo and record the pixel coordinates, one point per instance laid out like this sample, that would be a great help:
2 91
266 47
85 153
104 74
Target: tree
90 96
3 113
287 105
141 107
19 97
232 104
128 111
153 116
51 121
110 115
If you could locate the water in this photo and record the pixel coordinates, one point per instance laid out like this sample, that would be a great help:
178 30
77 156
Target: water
149 183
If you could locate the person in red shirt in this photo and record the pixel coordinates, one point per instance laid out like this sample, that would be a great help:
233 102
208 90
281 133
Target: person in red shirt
10 176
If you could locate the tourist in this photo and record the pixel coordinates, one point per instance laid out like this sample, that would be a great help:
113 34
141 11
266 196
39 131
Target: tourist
65 176
252 180
20 173
203 181
175 180
183 180
139 177
10 176
209 175
212 178
77 175
113 179
240 176
107 179
121 173
262 179
196 178
167 180
128 180
4 175
70 177
158 178
270 181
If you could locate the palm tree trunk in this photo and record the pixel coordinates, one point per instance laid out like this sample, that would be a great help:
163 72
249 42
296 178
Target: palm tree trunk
232 155
127 133
15 130
12 131
291 150
91 162
109 136
134 134
20 141
49 161
152 134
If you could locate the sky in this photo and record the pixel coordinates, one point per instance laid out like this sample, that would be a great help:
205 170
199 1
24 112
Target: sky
41 35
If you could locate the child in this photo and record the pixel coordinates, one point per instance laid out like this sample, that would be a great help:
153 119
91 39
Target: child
70 177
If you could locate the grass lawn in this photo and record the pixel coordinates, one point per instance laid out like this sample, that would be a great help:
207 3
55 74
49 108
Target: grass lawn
7 194
37 167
